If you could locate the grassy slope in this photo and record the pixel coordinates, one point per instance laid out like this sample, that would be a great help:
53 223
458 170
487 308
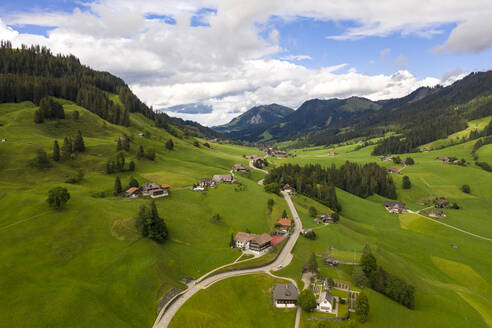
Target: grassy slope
412 247
85 265
244 301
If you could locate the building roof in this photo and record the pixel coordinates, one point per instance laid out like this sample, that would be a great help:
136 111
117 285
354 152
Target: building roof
285 292
262 239
150 185
277 240
435 212
242 237
222 177
285 222
132 190
388 203
325 296
165 186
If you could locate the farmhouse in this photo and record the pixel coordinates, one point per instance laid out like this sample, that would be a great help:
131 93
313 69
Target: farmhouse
442 203
242 239
326 218
436 213
133 192
240 168
156 193
284 223
332 153
207 183
443 159
223 178
212 141
386 158
394 170
325 302
394 207
290 190
148 187
285 295
260 243
331 261
198 188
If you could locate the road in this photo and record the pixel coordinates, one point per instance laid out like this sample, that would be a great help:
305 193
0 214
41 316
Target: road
282 260
255 168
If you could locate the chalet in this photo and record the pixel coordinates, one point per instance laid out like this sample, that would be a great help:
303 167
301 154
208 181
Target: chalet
260 243
223 178
394 207
394 170
285 295
325 302
212 141
290 190
240 168
443 159
425 150
330 261
133 192
242 239
326 218
284 223
148 187
442 203
160 192
436 213
332 153
207 183
386 158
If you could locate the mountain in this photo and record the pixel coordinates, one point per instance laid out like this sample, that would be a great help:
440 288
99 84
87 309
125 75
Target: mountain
259 116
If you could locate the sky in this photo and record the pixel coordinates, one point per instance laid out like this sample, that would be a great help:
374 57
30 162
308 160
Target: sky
209 60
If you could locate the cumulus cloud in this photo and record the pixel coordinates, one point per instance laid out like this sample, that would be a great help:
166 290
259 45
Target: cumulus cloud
224 62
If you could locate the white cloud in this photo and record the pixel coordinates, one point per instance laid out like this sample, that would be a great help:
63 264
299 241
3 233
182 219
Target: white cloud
226 64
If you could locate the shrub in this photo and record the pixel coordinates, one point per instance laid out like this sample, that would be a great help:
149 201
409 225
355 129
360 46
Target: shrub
41 161
465 188
57 197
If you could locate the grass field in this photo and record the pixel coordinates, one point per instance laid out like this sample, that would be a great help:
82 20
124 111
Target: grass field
87 266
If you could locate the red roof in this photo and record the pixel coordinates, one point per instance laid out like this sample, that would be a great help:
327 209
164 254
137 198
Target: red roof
165 186
132 190
284 222
276 240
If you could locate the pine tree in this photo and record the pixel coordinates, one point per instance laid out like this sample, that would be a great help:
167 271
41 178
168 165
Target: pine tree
117 186
131 166
38 118
120 161
76 115
78 143
67 148
41 161
133 183
232 242
406 182
170 144
284 214
119 146
140 153
56 151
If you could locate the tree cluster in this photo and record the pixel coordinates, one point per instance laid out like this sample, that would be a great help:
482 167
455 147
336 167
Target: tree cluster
118 164
150 224
49 109
386 283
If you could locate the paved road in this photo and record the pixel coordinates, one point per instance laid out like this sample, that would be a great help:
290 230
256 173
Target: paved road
255 168
282 260
450 226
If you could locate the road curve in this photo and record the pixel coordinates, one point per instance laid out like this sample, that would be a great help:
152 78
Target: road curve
283 259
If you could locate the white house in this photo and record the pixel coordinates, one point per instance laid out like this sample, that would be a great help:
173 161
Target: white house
242 239
325 302
285 295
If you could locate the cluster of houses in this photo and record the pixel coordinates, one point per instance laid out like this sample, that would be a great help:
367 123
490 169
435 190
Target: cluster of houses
439 204
285 296
394 207
212 182
272 152
260 244
447 160
151 189
325 218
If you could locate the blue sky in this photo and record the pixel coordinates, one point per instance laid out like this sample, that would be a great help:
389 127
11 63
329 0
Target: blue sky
227 56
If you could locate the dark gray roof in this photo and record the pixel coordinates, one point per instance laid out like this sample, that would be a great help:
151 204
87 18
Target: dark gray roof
326 295
285 292
388 203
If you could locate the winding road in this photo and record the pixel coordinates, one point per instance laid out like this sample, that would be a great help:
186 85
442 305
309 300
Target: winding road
283 259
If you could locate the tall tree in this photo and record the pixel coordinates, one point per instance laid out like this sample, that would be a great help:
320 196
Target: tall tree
306 300
67 148
170 144
57 197
406 184
362 307
117 186
140 153
41 161
78 143
56 151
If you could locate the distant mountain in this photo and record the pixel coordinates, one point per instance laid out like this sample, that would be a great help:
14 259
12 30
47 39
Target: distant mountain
259 116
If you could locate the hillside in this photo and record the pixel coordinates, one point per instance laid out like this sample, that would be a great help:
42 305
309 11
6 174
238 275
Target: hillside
258 116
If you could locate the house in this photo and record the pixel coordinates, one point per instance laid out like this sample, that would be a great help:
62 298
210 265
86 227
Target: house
290 190
284 223
198 188
4 139
240 168
325 302
285 295
332 153
425 150
223 178
330 261
207 183
326 218
359 142
212 141
306 231
394 170
277 239
156 193
436 213
442 203
242 239
386 158
260 243
133 192
317 221
394 207
140 134
443 159
147 187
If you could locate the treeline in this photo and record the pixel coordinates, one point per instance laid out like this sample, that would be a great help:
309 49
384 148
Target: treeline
319 182
385 282
32 73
